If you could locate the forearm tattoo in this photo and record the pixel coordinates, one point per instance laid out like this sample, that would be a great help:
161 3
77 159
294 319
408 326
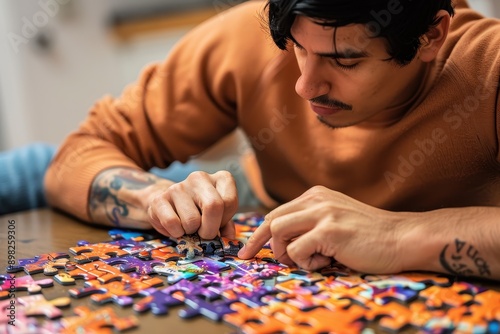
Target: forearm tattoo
463 259
110 195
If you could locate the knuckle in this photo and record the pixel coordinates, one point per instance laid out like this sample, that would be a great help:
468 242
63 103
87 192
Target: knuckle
213 205
176 187
197 176
224 174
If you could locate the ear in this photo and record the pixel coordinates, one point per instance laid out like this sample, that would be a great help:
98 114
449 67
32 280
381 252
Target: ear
433 40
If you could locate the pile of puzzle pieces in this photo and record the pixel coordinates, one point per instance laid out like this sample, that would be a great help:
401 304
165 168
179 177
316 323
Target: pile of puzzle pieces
205 277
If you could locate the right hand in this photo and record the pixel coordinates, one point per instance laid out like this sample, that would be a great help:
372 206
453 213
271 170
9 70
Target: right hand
203 203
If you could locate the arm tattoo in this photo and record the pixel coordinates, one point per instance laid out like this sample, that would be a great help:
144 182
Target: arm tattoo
108 194
463 259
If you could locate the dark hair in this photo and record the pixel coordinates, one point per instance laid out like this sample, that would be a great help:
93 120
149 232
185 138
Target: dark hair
402 23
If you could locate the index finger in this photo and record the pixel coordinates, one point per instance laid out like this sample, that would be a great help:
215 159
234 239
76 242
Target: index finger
256 241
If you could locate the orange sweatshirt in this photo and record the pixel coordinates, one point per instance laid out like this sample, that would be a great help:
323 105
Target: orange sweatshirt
227 73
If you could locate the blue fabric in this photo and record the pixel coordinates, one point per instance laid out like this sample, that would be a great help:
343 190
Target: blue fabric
22 171
21 177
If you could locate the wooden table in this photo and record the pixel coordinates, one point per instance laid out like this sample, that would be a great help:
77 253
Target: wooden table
46 231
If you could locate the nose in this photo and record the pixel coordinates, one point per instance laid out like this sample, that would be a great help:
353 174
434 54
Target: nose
311 82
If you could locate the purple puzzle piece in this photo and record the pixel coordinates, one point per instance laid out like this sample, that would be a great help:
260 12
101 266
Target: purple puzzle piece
214 310
131 263
209 265
41 260
191 288
254 298
156 300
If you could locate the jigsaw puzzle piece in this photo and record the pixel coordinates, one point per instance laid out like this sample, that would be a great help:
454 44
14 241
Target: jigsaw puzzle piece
190 288
156 300
189 246
164 254
93 252
24 283
266 254
175 272
383 296
321 320
323 299
131 263
37 305
298 287
65 279
230 247
212 309
393 316
264 270
118 292
49 268
74 272
208 265
251 321
36 262
101 321
104 272
428 278
211 246
437 296
301 275
117 234
252 298
395 281
14 320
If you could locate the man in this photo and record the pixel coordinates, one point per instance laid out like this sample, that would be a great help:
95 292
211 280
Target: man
376 126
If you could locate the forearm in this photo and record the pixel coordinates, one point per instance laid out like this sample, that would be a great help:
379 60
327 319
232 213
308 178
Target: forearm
119 197
458 241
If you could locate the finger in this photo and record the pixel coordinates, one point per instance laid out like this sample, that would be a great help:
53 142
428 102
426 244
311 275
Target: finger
297 204
305 251
212 209
153 219
228 230
286 228
226 187
167 219
258 239
187 211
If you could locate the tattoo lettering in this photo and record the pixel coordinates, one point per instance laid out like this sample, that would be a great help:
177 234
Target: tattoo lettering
108 194
463 259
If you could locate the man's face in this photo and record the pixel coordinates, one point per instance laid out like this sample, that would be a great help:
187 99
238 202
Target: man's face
351 82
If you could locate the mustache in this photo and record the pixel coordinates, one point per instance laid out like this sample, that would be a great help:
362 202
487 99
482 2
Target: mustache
330 103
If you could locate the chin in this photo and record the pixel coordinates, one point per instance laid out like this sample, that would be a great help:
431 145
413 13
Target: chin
334 126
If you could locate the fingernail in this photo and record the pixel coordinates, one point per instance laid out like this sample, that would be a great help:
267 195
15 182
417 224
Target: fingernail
242 251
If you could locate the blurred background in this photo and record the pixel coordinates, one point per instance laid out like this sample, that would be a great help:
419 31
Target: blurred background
57 57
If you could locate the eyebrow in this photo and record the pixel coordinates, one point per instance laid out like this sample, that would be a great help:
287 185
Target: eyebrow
345 54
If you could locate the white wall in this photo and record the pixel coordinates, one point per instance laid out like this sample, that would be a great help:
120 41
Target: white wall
45 94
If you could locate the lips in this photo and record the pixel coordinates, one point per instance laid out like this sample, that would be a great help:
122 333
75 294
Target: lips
325 111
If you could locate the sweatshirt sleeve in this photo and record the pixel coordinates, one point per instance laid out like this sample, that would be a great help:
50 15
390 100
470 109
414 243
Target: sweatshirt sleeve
175 110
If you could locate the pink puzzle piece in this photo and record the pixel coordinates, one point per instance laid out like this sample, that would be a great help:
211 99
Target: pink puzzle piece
38 305
24 283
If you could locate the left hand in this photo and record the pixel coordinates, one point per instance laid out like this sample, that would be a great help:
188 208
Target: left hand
323 224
